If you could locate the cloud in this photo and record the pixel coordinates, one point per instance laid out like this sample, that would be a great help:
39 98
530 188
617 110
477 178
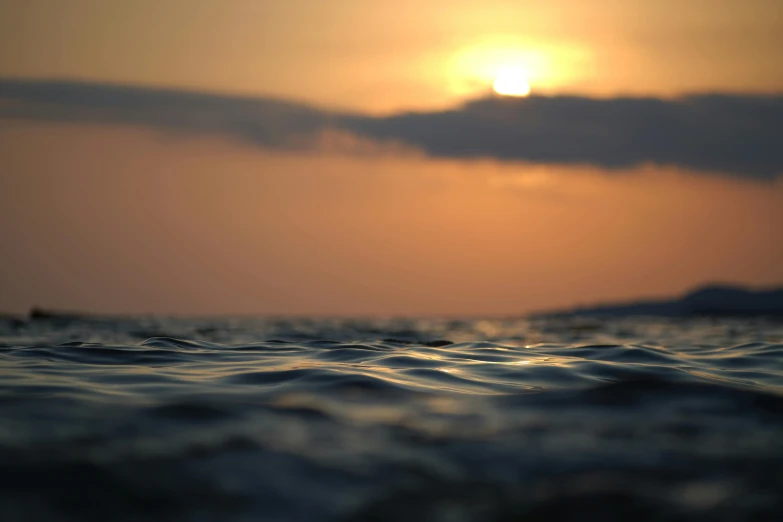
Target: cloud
739 135
261 121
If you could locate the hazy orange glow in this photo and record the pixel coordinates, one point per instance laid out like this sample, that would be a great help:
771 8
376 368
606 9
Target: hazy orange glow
473 68
383 57
116 219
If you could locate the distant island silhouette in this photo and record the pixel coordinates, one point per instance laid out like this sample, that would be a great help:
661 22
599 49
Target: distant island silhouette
709 300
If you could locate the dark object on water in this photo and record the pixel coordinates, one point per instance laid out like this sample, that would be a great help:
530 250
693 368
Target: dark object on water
41 314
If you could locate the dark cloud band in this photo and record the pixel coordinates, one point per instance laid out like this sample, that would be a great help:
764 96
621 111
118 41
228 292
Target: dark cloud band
740 135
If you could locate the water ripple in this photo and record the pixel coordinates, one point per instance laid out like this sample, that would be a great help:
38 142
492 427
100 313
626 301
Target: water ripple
330 420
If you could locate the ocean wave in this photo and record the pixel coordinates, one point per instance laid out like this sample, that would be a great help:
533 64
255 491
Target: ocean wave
332 420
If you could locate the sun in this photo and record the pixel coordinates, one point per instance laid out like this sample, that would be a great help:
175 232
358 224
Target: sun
511 81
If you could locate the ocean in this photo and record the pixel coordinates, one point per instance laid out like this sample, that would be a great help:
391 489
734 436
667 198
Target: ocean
442 420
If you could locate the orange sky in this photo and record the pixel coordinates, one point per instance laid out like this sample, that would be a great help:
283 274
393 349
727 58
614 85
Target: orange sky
385 56
121 218
149 223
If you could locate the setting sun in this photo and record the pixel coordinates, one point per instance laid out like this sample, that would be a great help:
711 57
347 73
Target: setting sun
511 81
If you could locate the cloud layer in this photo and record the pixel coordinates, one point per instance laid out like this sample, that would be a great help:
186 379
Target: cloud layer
740 135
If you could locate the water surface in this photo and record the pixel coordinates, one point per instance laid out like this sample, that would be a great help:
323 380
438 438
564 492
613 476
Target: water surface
349 420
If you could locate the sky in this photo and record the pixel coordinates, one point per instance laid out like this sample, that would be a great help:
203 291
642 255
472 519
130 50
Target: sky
388 56
351 158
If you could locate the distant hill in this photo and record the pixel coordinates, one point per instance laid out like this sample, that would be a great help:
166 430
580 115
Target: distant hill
711 300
